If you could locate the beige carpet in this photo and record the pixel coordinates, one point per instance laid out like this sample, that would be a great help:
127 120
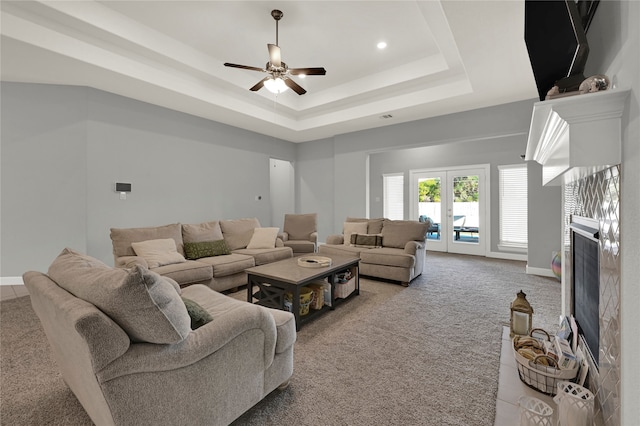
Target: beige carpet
424 355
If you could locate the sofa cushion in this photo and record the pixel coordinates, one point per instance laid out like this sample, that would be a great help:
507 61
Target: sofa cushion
374 226
340 250
158 252
238 232
123 237
199 316
366 240
189 272
143 303
264 256
353 228
205 231
300 246
263 238
397 233
230 264
205 249
388 256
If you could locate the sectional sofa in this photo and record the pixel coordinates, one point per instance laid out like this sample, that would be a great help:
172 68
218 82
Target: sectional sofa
214 253
388 249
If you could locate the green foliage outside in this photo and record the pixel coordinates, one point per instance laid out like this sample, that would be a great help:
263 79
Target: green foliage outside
429 191
465 190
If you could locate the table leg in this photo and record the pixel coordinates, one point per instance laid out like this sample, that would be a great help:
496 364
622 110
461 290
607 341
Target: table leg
249 289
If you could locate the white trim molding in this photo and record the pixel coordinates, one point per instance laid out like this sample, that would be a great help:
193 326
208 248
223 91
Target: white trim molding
543 272
11 281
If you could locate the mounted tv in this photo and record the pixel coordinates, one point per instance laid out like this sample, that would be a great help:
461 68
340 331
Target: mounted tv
555 36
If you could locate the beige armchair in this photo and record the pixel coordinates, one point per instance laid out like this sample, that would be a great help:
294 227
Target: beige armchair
300 232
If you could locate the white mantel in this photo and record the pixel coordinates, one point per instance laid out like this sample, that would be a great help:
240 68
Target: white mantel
576 136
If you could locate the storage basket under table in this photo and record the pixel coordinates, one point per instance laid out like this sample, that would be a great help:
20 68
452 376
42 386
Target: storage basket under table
541 377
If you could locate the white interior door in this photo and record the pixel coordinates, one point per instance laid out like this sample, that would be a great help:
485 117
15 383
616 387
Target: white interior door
282 191
455 201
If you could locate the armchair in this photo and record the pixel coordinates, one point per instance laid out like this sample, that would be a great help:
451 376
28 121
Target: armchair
300 232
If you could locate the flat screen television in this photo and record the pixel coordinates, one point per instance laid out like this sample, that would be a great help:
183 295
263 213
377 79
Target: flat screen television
555 36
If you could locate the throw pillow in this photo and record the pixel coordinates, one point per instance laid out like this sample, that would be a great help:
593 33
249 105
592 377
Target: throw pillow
263 238
143 303
158 252
206 231
366 240
238 232
199 315
353 228
205 249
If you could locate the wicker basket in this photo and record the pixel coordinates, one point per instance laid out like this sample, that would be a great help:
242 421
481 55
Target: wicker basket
543 378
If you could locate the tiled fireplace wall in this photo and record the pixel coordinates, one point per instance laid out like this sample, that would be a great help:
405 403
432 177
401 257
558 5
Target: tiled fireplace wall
598 197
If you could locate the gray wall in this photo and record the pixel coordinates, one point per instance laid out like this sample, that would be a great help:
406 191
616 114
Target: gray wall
64 147
43 175
496 135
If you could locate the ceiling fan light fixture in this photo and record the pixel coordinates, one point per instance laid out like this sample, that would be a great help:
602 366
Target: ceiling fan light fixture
275 85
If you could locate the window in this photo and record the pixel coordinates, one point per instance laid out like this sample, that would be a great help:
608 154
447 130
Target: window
393 196
513 207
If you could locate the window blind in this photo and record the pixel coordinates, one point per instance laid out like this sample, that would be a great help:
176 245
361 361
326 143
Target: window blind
513 206
393 196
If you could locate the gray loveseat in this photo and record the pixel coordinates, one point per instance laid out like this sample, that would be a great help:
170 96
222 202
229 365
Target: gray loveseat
124 344
222 271
389 249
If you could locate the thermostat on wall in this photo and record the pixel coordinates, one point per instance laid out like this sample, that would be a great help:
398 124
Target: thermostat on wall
123 187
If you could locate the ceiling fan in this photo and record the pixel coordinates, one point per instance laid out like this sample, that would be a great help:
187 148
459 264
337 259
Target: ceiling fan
278 79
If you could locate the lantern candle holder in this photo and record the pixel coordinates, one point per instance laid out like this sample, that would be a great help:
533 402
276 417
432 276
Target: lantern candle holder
521 316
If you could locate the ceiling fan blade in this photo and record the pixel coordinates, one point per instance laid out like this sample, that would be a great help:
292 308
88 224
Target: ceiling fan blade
259 84
244 67
308 71
294 86
274 55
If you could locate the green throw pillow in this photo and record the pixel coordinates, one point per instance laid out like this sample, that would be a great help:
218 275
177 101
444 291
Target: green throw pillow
199 316
205 249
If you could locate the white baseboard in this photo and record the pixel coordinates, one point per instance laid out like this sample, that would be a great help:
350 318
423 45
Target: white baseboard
507 256
543 272
11 281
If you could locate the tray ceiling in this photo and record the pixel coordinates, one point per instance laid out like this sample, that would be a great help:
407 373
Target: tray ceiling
441 57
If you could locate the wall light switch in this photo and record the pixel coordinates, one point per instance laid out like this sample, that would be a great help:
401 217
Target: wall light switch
123 195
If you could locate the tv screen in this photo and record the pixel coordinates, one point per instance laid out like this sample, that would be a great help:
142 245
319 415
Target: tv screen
556 43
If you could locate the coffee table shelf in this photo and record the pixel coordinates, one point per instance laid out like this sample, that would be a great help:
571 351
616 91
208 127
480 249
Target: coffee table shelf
276 279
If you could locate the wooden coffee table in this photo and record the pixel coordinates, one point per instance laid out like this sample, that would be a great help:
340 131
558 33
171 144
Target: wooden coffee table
285 276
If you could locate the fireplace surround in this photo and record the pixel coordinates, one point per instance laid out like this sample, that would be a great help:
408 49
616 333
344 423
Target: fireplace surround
598 197
578 141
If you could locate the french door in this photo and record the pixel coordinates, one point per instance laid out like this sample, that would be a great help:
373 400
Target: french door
455 200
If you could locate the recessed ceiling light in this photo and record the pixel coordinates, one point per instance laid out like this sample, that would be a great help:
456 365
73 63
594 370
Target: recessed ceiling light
302 75
382 45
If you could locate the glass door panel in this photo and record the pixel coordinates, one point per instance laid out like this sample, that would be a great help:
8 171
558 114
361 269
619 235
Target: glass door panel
466 210
429 204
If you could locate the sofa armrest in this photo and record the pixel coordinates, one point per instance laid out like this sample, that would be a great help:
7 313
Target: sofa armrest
335 239
313 237
130 262
284 236
200 343
412 247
